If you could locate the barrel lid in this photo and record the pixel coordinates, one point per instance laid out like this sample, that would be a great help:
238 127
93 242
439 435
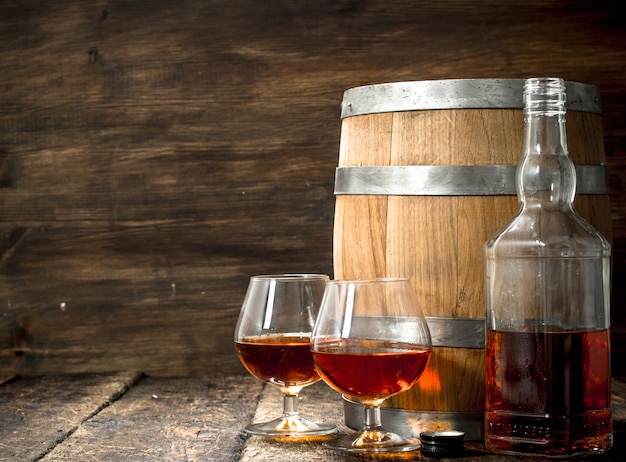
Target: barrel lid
456 94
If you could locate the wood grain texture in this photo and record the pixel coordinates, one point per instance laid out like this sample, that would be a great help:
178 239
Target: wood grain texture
154 155
169 419
37 414
115 417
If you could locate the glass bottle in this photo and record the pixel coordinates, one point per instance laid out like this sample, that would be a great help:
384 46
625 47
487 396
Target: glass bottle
548 316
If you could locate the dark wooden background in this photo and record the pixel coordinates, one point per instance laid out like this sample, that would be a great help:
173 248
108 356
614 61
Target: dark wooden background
155 154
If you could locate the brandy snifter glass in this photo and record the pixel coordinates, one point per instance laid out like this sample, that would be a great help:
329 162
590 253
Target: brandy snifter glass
371 342
272 339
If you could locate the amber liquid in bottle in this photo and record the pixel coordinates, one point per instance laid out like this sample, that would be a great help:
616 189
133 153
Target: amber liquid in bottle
548 391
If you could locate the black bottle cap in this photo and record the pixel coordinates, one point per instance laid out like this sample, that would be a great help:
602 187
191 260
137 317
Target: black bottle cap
445 443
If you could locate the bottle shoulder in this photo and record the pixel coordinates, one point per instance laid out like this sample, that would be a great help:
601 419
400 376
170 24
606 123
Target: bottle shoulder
550 234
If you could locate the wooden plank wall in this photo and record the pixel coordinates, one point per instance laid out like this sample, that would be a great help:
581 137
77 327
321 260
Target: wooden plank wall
155 154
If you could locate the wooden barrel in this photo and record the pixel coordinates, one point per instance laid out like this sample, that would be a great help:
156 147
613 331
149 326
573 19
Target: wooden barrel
426 176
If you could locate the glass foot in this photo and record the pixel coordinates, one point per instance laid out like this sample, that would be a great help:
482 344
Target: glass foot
290 426
373 442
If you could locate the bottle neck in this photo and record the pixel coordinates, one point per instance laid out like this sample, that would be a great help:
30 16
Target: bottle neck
546 177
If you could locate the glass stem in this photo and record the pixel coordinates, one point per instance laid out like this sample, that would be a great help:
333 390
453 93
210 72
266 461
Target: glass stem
373 421
290 405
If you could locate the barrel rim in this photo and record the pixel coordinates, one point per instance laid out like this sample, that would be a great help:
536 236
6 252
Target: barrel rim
419 95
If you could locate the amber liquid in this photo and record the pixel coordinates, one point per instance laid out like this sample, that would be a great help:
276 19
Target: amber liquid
548 393
370 370
282 359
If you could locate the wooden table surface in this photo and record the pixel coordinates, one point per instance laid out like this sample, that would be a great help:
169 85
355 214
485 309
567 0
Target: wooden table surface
131 417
